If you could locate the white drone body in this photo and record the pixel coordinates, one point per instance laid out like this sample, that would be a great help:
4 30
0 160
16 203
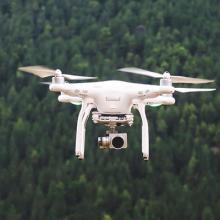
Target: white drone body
113 101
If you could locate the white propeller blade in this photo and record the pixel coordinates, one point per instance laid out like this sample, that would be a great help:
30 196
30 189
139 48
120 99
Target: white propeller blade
184 90
183 79
141 72
75 77
45 83
38 71
174 79
42 72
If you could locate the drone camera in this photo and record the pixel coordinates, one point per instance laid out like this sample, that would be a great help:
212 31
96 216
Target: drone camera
113 141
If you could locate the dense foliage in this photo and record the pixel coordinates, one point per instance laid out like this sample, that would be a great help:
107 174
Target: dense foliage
40 178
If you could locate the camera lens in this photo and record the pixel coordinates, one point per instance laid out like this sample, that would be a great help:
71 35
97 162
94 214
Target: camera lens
117 142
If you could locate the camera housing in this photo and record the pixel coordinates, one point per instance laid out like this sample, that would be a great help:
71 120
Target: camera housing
113 141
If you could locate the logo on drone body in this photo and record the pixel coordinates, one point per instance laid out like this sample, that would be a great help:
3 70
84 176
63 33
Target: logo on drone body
113 98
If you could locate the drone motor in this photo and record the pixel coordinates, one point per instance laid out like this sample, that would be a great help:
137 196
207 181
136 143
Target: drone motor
58 79
166 80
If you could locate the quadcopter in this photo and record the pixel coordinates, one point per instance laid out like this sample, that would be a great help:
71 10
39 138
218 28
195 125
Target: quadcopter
113 101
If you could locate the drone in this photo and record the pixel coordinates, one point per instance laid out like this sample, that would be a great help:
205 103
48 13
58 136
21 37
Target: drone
113 100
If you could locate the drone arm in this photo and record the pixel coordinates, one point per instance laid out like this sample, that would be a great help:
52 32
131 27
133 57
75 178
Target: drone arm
81 129
145 134
67 88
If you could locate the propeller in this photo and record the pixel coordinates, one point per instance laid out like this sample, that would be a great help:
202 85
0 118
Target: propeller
185 90
168 99
166 75
43 72
45 83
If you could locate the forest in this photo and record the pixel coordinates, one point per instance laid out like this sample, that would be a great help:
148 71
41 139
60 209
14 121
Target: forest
40 178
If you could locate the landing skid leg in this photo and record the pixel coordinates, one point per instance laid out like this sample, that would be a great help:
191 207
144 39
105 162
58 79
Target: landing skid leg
81 129
145 133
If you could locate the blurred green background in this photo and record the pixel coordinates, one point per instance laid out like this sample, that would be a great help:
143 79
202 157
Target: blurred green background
39 176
